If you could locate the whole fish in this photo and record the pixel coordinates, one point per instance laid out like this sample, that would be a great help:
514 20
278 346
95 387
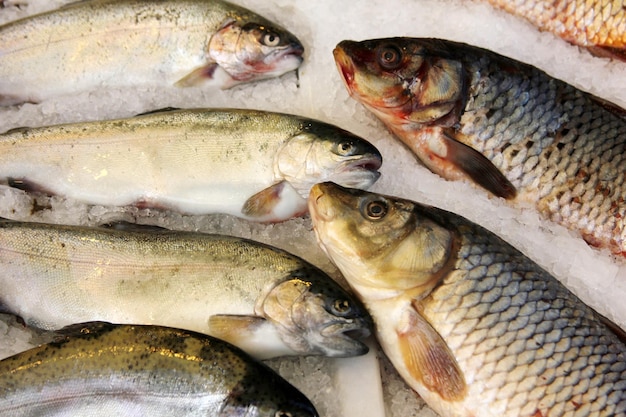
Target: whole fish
470 323
252 164
92 44
469 113
599 25
264 300
101 369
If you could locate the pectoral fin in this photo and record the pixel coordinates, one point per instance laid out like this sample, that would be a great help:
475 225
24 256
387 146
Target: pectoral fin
428 359
255 335
263 203
476 166
198 76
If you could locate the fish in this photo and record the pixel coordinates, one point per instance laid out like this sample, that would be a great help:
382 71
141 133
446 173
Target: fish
104 369
252 164
470 114
94 44
599 26
266 301
474 326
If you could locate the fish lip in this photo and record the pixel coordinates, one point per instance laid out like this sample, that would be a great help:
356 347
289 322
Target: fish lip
349 335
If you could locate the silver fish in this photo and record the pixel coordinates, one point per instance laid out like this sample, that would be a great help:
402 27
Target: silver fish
252 164
112 43
470 323
101 369
264 300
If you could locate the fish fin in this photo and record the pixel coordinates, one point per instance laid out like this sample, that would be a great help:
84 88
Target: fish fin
263 203
7 100
198 75
126 226
163 110
428 358
601 51
476 166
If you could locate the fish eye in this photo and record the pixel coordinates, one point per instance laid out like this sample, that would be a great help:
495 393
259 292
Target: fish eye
280 413
342 306
345 148
389 57
376 210
271 39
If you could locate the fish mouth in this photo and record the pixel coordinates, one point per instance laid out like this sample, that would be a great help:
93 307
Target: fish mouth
346 67
344 339
359 173
319 208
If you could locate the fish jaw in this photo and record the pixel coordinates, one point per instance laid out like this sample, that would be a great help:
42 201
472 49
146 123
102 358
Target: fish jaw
315 317
253 51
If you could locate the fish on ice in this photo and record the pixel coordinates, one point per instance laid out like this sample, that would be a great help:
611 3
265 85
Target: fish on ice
468 113
93 44
252 164
103 369
262 299
469 322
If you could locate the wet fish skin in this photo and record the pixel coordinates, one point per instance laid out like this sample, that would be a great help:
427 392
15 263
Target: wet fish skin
266 301
273 159
468 113
598 25
473 325
93 44
108 369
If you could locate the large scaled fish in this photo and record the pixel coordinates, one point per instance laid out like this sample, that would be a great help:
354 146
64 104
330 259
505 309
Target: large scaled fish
264 300
469 113
112 43
473 325
120 370
598 25
251 164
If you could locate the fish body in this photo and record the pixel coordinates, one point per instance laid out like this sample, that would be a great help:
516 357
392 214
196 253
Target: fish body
264 300
599 25
109 43
468 113
252 164
471 324
104 370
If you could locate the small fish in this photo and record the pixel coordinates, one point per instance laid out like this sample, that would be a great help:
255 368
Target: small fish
266 301
101 369
471 324
599 25
111 43
252 164
468 113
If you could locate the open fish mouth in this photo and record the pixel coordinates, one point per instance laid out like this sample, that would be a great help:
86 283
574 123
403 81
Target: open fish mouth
359 173
346 68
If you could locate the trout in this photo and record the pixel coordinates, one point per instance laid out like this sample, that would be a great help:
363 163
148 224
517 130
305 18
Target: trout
93 44
468 113
264 300
251 164
101 369
469 322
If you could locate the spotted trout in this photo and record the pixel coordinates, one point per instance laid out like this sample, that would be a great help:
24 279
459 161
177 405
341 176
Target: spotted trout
93 44
264 300
599 25
251 164
468 113
469 322
101 369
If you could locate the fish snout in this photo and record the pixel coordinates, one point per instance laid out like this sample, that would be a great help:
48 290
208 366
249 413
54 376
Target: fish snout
319 206
345 65
345 338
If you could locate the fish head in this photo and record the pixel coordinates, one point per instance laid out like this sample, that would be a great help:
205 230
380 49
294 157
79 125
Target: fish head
319 152
315 316
406 82
251 51
379 242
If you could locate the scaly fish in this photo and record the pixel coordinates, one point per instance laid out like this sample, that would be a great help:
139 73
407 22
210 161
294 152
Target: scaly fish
101 369
599 25
264 300
252 164
469 113
112 43
471 324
